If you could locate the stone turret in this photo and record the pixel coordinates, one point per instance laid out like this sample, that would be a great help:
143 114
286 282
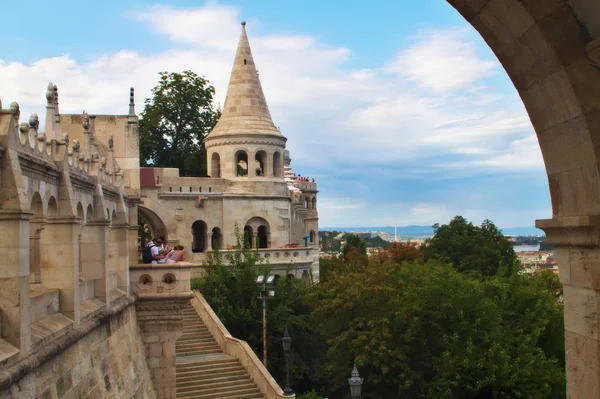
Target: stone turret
245 143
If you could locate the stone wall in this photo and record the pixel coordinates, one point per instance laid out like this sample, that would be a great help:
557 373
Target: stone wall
106 360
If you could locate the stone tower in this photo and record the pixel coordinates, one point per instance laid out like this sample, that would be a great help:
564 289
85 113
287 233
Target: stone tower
245 145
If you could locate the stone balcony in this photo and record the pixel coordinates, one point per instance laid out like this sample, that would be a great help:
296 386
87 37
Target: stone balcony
307 186
156 280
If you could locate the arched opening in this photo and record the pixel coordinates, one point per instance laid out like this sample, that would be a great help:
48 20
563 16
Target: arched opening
276 279
277 172
113 217
306 202
80 214
262 237
312 236
217 238
52 207
36 225
215 170
260 161
89 214
198 236
241 163
314 203
259 231
305 277
248 236
150 225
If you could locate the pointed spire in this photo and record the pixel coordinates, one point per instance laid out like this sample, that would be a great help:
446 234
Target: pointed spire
245 110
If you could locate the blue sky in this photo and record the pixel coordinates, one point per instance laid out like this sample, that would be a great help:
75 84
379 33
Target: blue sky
398 109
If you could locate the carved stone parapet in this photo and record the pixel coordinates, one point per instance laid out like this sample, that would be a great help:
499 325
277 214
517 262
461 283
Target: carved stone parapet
572 230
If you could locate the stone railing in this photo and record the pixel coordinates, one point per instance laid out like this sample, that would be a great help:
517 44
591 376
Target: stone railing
276 256
307 186
238 349
160 280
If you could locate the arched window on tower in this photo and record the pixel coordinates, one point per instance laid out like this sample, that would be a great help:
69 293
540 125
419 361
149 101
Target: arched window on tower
306 202
277 164
263 236
241 163
215 165
314 203
260 161
198 236
217 238
312 236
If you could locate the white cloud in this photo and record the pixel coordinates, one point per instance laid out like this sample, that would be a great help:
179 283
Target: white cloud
442 61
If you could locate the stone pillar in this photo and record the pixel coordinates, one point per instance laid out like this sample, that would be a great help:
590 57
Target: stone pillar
255 239
35 230
119 234
14 279
161 324
209 240
60 260
576 242
94 257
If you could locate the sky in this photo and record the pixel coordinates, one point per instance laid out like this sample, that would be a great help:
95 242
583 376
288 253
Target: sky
399 110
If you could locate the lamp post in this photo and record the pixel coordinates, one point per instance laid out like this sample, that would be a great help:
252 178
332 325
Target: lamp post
264 295
355 381
287 345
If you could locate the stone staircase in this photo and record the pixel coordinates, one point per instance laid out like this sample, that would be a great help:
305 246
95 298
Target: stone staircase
203 370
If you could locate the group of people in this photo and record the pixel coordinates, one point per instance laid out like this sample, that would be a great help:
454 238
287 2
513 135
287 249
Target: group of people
158 250
305 179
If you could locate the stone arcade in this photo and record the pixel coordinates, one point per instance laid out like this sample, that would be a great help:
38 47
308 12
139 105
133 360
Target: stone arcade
81 318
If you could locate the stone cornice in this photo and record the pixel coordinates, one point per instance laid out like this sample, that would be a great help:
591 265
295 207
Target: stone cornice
571 230
38 169
235 140
82 183
110 193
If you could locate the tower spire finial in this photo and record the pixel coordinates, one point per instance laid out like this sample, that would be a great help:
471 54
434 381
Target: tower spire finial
243 23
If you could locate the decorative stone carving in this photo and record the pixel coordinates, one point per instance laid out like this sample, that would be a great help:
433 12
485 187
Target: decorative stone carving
111 143
200 201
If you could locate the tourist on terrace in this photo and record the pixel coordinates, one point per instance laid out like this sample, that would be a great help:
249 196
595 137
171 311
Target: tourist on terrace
176 255
155 250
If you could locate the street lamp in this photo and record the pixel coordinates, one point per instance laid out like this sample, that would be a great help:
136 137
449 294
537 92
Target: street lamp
264 295
287 345
355 381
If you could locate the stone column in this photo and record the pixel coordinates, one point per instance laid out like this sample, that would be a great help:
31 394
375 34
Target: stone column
60 260
94 257
161 323
576 242
14 279
35 230
209 240
255 239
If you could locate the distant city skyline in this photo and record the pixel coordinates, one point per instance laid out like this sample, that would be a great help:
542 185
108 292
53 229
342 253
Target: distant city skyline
400 111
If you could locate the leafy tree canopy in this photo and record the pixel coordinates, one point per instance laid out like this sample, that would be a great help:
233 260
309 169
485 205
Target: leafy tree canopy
175 121
354 241
478 250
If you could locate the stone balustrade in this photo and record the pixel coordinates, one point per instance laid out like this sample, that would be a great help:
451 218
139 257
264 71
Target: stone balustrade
153 280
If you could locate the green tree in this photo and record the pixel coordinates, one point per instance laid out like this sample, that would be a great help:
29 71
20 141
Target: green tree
175 122
354 241
482 251
428 331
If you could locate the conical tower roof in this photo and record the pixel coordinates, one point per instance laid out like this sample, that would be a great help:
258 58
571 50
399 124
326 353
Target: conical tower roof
245 110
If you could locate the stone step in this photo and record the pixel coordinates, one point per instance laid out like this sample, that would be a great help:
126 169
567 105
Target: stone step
207 345
220 391
203 374
208 365
193 381
195 340
218 386
191 352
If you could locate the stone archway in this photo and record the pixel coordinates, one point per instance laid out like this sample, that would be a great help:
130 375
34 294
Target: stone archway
157 226
551 51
